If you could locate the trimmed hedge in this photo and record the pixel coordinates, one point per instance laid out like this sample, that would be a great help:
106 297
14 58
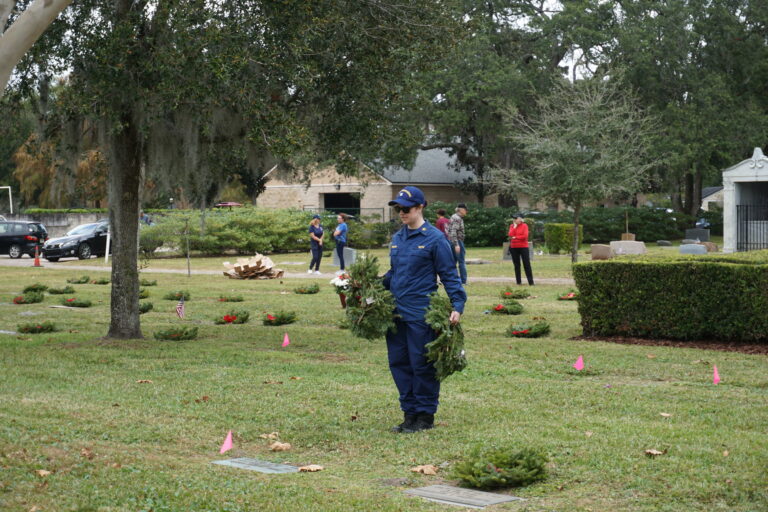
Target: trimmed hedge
559 237
722 297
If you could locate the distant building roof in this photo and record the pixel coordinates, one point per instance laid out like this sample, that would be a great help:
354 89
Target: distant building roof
708 191
432 167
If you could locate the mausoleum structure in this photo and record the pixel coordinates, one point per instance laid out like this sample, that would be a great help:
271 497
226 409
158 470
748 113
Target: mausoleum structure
745 204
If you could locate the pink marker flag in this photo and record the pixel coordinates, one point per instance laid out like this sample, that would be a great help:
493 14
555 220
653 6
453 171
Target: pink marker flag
227 443
715 376
579 364
286 341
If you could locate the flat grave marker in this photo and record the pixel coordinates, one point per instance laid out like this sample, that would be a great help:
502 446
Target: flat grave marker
12 333
261 466
460 497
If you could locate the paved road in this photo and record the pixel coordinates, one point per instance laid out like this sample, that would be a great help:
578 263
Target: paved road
27 262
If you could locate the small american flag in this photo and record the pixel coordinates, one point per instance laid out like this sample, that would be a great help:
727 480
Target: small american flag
180 308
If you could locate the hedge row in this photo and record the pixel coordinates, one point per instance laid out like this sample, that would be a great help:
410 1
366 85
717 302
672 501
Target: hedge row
250 230
489 226
723 297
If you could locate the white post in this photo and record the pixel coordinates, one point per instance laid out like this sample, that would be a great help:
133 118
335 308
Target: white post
106 252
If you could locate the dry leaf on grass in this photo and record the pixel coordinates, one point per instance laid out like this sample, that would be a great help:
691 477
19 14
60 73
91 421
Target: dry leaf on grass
654 453
650 356
665 415
588 433
204 398
273 435
43 472
35 508
296 378
725 453
311 468
87 453
277 446
426 469
144 381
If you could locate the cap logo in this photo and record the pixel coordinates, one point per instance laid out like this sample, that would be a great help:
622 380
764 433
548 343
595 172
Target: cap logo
404 192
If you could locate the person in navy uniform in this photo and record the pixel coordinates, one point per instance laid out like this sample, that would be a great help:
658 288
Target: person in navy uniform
419 252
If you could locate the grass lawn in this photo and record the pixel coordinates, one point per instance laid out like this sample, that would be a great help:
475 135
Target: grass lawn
70 404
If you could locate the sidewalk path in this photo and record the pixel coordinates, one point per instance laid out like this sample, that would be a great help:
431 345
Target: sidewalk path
27 262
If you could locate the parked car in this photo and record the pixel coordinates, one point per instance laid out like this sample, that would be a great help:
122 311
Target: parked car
82 242
21 237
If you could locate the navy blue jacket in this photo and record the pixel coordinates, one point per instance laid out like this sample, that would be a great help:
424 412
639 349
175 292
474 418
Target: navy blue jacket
417 257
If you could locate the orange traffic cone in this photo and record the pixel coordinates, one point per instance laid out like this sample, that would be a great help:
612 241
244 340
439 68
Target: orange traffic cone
37 257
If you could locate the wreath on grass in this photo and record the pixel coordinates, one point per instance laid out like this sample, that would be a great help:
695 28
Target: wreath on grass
61 291
446 351
37 287
511 293
103 280
147 282
177 334
233 317
79 280
143 293
37 328
570 295
145 307
370 307
230 298
177 295
508 307
529 330
74 302
307 290
29 298
499 468
279 318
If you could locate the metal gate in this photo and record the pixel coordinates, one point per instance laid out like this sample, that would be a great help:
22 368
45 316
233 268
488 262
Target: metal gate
751 227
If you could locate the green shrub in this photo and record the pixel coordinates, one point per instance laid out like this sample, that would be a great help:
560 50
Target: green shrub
143 293
61 291
34 328
501 468
145 307
559 237
147 282
177 334
719 297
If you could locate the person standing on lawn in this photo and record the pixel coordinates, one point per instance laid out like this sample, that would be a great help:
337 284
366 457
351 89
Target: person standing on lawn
442 222
340 235
418 254
456 237
518 248
315 243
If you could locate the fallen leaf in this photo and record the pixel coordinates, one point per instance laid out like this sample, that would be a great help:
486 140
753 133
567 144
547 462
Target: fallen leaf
729 481
311 468
277 446
35 508
144 381
296 378
116 465
654 453
353 417
665 415
273 435
202 399
426 469
725 453
588 433
115 405
650 356
86 453
43 472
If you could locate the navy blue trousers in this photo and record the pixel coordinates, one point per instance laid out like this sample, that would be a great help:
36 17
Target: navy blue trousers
317 255
340 253
414 375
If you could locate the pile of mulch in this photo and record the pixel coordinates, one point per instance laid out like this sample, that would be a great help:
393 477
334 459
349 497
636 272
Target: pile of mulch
735 346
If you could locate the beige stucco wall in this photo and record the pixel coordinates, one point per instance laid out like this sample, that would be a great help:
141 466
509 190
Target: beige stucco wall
715 199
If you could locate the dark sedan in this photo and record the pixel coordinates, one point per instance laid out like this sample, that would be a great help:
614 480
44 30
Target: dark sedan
21 237
82 242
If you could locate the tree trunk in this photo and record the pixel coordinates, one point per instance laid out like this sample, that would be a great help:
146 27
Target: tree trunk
124 185
575 247
27 28
688 193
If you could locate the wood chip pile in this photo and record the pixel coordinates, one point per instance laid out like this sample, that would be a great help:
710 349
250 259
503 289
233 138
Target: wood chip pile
256 267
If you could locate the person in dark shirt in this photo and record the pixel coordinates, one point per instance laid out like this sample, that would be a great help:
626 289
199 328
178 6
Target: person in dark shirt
315 244
418 253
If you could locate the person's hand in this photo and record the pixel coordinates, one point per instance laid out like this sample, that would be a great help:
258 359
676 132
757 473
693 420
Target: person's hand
457 249
320 242
455 317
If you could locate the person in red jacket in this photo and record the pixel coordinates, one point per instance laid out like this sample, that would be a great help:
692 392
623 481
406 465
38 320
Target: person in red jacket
518 248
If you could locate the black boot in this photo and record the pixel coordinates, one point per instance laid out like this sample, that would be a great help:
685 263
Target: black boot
423 421
408 421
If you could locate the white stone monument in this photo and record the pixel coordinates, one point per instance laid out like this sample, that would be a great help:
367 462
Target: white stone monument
745 204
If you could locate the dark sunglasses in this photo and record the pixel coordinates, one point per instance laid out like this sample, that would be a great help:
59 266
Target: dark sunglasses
403 209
